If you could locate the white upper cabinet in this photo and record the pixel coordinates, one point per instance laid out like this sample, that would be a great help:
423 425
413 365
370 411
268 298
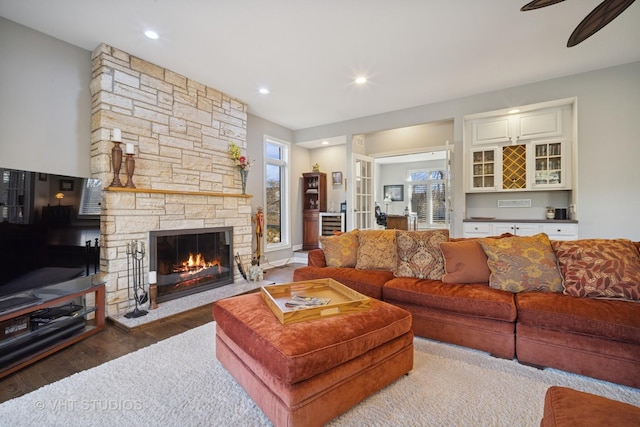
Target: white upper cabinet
484 175
523 151
517 127
491 130
539 124
550 164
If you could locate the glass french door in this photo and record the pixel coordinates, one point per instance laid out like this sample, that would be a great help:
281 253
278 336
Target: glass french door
362 212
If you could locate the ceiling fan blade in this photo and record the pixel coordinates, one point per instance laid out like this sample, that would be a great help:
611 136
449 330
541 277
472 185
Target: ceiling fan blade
537 4
606 12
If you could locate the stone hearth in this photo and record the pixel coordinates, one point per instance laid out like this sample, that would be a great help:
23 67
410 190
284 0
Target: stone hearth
169 308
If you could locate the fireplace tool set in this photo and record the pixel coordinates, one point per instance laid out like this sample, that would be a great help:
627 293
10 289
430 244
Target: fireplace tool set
240 266
135 277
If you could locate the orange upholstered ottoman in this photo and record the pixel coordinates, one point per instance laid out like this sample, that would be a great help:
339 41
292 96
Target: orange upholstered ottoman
567 407
307 373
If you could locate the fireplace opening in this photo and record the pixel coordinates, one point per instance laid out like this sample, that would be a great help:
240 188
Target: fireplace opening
191 261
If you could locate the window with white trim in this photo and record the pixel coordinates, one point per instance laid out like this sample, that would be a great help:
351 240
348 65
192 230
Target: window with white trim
276 211
427 191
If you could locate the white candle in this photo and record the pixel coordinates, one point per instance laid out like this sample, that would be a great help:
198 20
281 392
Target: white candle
129 148
116 135
152 277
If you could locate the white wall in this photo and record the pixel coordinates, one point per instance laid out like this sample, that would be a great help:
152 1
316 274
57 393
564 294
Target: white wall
608 140
45 105
257 129
410 138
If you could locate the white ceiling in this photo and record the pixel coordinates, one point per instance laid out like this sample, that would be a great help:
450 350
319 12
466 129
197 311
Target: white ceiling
307 52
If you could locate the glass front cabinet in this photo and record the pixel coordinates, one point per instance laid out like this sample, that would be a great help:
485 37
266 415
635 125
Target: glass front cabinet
483 169
549 164
537 165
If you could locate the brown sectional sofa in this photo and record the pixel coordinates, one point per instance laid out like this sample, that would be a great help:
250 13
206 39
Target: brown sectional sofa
596 337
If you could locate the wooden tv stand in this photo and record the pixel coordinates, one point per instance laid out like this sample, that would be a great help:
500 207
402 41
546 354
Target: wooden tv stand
24 341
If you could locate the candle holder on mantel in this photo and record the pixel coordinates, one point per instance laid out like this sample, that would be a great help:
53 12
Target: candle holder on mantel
116 162
130 164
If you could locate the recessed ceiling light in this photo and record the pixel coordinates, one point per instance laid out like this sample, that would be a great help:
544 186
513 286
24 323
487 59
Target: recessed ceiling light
325 142
263 90
361 80
151 34
515 110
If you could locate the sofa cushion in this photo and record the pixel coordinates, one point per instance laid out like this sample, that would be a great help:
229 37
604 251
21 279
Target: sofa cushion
611 319
474 299
377 250
464 262
368 282
522 263
340 250
606 268
419 253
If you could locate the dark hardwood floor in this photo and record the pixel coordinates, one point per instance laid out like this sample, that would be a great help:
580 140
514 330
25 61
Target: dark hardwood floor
112 343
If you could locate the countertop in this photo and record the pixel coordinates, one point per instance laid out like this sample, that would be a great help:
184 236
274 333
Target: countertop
550 221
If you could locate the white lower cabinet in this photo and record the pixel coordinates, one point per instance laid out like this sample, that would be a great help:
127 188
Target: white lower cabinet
561 231
477 229
518 229
555 231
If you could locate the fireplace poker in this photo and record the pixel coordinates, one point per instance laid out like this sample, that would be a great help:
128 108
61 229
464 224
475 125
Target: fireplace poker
240 266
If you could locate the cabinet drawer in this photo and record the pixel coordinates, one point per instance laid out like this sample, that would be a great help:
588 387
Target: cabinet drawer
517 228
477 229
561 231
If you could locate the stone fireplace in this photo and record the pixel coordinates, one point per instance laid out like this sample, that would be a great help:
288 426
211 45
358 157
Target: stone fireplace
191 261
184 177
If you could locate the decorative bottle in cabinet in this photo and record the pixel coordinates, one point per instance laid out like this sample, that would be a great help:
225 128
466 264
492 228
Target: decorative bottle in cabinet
314 201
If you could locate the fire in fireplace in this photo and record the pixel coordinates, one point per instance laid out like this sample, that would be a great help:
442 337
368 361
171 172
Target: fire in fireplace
190 261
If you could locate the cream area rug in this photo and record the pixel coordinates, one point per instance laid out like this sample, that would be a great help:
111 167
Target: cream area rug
179 382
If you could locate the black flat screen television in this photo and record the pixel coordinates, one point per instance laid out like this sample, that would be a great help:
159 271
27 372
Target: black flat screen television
49 229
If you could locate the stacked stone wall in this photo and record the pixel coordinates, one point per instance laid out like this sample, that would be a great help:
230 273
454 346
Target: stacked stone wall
180 130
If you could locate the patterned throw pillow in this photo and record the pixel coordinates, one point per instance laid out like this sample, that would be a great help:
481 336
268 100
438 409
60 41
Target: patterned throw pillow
605 268
522 263
419 254
340 250
377 250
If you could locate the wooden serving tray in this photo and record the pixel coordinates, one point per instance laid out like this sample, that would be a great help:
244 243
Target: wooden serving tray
341 300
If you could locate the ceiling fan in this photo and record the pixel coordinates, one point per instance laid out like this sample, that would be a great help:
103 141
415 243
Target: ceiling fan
604 13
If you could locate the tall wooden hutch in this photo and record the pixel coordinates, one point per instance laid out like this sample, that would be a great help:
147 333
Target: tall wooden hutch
314 201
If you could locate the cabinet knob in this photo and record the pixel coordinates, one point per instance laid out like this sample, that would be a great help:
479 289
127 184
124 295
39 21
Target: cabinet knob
558 230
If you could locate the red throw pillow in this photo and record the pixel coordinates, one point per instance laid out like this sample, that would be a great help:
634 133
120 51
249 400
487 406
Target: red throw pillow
464 262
